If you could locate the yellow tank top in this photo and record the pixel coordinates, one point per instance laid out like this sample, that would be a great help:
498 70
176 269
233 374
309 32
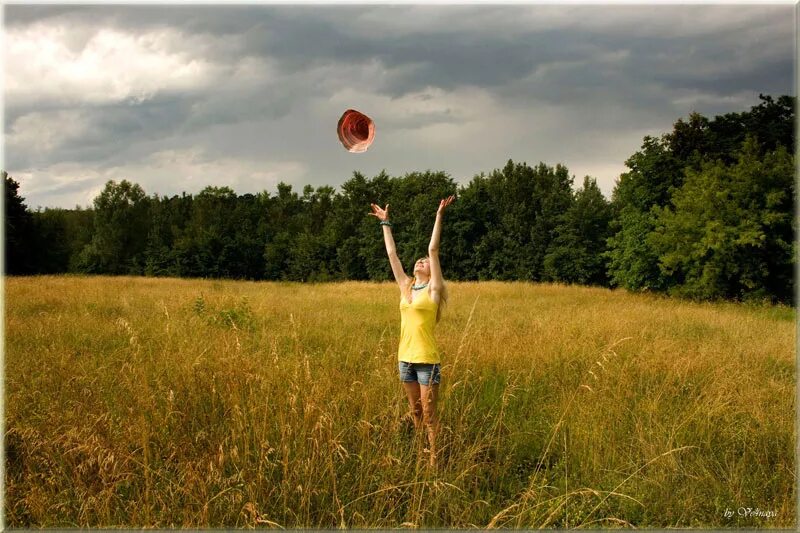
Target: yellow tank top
417 320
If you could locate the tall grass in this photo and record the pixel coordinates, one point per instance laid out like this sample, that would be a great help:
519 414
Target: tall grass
191 403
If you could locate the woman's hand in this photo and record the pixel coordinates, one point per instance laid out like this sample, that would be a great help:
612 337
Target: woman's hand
382 214
443 204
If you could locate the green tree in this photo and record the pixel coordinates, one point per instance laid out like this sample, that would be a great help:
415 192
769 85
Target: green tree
249 235
206 248
169 218
657 172
468 220
552 197
771 122
349 214
121 226
312 256
52 245
284 221
524 206
729 232
576 253
689 142
413 200
654 174
19 230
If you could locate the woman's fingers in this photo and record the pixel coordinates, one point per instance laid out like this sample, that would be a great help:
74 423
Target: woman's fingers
382 214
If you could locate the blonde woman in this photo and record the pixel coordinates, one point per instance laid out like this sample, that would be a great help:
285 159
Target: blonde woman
422 298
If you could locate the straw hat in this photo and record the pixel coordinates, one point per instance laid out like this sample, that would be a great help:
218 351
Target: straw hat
356 131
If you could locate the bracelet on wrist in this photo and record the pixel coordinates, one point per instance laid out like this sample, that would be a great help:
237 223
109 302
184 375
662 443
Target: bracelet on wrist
386 223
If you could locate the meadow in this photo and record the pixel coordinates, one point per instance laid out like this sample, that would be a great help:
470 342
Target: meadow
151 402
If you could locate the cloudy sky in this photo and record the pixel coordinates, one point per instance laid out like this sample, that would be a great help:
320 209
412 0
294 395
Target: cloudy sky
179 98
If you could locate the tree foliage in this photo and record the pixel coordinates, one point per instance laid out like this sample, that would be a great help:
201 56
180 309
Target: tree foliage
704 210
699 164
576 253
729 232
121 226
19 230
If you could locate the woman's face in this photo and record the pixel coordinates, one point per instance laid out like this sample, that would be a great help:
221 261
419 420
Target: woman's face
422 267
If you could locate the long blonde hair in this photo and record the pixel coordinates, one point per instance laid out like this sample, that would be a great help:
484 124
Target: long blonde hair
442 297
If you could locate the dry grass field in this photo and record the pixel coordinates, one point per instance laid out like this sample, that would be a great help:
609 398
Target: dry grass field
148 402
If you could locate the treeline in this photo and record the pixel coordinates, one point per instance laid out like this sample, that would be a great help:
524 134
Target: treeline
705 211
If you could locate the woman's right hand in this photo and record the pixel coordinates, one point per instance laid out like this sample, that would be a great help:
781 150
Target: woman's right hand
381 214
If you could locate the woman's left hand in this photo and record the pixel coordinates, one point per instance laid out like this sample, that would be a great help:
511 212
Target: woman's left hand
444 203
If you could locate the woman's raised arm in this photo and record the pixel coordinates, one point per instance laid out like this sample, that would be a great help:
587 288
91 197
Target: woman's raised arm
391 250
437 280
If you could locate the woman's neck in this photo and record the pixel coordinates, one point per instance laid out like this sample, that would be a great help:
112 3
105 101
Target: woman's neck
421 281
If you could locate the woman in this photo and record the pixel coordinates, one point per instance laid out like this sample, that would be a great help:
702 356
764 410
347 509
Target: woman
422 298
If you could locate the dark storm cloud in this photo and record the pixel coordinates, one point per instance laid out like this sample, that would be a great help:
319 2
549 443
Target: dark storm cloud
200 18
441 60
585 75
300 37
21 15
773 75
111 131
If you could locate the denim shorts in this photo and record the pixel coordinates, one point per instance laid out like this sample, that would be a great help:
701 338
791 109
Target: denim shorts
423 373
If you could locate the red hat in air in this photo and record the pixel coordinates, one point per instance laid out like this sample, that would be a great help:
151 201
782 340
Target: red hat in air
356 131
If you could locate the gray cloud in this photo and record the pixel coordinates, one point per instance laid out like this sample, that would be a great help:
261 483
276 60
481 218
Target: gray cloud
457 88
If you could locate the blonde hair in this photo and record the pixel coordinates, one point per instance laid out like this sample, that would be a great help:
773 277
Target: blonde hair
442 297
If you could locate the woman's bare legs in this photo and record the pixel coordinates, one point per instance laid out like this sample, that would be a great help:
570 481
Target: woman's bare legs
428 395
413 394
